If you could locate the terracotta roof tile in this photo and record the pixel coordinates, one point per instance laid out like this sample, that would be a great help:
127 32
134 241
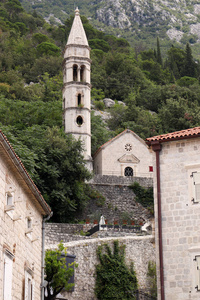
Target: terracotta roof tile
186 133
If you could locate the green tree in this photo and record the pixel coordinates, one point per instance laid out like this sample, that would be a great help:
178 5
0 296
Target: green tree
114 279
189 68
48 48
100 133
57 272
158 54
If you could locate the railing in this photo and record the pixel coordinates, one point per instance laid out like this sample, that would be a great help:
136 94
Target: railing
124 228
130 228
93 230
115 173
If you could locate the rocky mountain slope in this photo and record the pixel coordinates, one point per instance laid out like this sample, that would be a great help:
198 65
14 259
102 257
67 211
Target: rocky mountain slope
136 20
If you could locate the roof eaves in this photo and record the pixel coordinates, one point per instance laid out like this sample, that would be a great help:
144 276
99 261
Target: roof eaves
19 165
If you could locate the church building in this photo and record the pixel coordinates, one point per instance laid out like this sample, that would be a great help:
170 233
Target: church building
126 154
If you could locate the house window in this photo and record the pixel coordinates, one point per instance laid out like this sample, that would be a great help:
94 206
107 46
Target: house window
128 171
75 72
7 278
9 199
9 207
29 285
29 223
196 186
197 272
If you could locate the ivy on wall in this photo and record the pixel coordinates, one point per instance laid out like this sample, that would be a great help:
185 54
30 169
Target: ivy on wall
114 279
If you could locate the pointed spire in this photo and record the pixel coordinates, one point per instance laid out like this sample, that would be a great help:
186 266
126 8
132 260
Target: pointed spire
77 34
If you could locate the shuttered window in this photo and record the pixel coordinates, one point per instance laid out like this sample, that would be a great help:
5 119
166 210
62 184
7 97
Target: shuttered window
7 280
197 271
29 286
196 187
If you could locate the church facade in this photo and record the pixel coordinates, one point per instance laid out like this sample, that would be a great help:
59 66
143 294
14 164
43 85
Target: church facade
124 155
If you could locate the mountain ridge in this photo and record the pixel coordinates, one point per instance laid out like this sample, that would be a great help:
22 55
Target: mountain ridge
136 20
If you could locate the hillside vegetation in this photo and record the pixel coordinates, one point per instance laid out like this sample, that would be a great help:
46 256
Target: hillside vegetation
161 94
139 21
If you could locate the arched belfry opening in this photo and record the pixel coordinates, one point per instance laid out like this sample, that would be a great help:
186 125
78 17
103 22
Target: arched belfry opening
128 172
82 73
75 72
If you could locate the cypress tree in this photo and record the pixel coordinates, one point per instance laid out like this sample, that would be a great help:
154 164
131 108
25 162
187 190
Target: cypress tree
159 57
189 65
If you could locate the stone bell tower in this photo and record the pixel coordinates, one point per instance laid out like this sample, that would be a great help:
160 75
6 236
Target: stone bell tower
77 88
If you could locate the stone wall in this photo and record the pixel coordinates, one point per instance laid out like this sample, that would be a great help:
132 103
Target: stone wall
56 232
121 180
139 250
119 199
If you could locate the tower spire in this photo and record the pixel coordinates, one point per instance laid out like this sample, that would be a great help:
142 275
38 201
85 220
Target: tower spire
77 34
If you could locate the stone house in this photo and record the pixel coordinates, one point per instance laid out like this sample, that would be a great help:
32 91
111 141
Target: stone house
22 211
124 155
177 213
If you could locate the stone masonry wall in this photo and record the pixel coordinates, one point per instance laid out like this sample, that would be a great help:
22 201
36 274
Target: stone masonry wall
139 250
119 199
121 180
26 248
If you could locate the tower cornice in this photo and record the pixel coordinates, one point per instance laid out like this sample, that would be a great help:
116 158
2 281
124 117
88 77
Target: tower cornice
77 108
78 133
76 46
76 58
78 83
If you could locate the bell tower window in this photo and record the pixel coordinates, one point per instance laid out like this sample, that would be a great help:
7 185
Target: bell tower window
79 100
79 121
75 72
128 171
82 73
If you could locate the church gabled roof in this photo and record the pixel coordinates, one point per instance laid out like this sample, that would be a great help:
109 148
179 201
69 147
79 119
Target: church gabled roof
116 137
77 34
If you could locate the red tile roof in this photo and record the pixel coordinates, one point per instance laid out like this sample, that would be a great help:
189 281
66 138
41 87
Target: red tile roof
20 167
177 135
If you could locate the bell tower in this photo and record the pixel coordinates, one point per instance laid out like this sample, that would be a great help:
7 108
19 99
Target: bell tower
77 88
